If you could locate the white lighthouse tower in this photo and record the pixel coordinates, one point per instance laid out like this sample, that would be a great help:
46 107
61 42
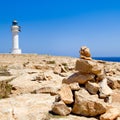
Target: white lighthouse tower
15 38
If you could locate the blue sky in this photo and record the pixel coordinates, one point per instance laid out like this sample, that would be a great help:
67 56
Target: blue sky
61 27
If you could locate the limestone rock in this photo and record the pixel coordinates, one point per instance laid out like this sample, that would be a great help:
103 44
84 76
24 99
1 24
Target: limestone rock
74 86
28 82
85 53
64 69
66 94
51 90
16 66
61 70
104 90
86 58
39 66
80 78
115 96
86 66
100 76
43 77
118 118
72 117
88 105
63 74
57 69
24 83
92 87
114 82
26 107
18 72
111 114
60 108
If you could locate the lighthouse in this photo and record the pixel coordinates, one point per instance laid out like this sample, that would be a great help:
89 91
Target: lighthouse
15 38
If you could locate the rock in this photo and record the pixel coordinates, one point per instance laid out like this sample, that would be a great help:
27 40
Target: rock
18 72
74 86
63 74
86 66
111 114
25 83
57 69
72 117
115 96
118 118
85 53
92 87
57 98
60 108
50 90
43 77
104 90
88 105
85 58
26 107
28 83
71 68
47 75
39 66
60 69
78 77
64 69
40 77
114 82
16 66
66 94
100 76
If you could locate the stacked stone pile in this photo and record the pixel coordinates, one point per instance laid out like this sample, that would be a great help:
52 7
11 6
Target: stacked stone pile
86 92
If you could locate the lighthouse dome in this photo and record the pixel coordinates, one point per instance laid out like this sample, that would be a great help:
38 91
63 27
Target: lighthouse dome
14 22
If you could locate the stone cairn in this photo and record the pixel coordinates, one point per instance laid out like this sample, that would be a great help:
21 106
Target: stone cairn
86 92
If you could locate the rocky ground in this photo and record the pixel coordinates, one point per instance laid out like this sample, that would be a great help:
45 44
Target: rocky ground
31 86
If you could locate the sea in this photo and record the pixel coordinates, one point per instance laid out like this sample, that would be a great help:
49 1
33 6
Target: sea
110 59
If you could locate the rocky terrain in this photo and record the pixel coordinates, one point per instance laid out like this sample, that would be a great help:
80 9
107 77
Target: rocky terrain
43 87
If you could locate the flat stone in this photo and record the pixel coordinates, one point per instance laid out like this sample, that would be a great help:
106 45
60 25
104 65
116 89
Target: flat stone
92 87
50 90
66 94
60 108
88 66
80 78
